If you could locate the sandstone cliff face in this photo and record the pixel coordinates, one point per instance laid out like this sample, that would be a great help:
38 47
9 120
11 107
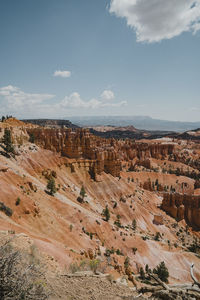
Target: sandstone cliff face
80 144
105 154
182 206
144 151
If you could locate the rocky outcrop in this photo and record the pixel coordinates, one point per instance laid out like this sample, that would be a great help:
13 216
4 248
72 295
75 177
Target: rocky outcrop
80 145
182 206
158 220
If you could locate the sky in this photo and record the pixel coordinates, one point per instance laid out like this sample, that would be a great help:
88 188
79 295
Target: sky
100 57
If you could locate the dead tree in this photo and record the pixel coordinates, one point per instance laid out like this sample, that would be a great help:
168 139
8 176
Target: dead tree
187 291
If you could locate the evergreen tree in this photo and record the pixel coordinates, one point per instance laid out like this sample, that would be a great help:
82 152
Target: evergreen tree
7 140
162 271
142 273
126 262
82 192
51 186
134 224
106 213
32 138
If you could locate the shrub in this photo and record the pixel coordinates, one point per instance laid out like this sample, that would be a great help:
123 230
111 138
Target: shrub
19 278
134 249
157 236
94 263
118 222
118 252
74 268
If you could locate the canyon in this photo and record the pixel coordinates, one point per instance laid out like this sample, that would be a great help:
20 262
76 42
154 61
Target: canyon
150 188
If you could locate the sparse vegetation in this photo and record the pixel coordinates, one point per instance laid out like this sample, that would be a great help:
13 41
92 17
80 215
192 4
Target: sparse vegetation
19 279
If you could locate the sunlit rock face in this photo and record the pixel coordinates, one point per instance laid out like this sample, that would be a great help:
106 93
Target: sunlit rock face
80 144
182 206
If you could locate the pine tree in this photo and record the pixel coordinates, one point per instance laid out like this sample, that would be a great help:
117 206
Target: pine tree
82 192
51 186
106 213
162 271
32 138
7 140
134 224
126 262
142 273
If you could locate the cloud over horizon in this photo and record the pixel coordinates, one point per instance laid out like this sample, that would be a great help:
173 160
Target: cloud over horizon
155 20
63 74
16 101
75 101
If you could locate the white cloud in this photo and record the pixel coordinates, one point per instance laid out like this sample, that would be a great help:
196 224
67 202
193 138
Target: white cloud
107 95
15 100
63 74
75 101
155 20
19 103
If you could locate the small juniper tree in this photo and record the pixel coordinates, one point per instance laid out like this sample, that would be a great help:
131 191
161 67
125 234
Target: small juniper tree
51 186
106 213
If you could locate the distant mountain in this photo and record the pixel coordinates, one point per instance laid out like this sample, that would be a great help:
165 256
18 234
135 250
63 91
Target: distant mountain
140 122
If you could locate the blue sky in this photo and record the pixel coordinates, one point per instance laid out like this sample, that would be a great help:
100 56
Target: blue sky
100 57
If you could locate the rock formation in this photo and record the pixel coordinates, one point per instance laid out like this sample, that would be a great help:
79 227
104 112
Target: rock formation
182 206
79 145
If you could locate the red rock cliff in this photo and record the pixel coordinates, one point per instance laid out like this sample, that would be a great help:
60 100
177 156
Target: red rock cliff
80 144
182 206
